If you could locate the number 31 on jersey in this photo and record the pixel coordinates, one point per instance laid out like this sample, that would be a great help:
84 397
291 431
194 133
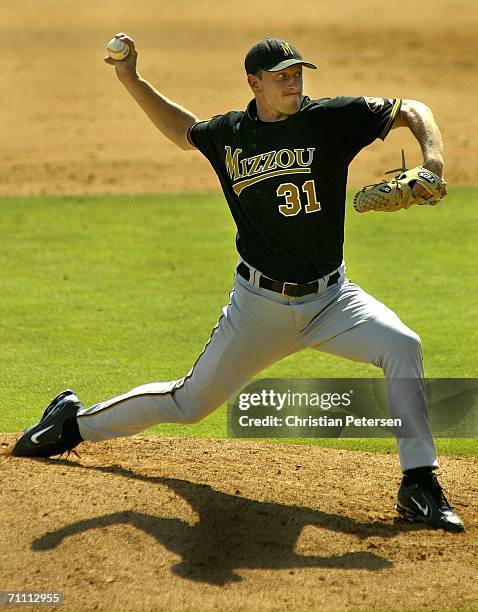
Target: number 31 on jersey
293 203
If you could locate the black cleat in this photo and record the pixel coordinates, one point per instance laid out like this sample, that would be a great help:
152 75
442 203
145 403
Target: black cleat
55 433
425 502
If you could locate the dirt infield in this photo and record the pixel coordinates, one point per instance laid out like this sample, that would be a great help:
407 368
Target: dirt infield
190 525
68 126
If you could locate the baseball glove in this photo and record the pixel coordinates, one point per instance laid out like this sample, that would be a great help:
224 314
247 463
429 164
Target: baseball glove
401 191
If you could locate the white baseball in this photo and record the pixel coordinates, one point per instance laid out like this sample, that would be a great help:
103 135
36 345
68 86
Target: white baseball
117 49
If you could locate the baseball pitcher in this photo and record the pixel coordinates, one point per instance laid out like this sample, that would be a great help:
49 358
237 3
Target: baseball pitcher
282 164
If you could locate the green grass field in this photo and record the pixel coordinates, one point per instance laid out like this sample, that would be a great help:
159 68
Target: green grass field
104 293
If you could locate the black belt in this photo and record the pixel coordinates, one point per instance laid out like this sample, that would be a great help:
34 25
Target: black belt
290 289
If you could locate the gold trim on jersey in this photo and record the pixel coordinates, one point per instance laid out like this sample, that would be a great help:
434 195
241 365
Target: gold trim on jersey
241 185
393 114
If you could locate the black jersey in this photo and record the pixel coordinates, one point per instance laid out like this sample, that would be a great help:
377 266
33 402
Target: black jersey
285 181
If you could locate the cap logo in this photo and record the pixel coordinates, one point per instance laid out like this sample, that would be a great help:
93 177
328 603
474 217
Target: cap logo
285 46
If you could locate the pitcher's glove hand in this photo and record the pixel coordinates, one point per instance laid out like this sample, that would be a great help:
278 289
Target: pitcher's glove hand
402 191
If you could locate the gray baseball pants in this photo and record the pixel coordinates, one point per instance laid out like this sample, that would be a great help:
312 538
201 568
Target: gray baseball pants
259 327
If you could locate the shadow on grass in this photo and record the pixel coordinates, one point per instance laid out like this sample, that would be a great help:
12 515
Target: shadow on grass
232 532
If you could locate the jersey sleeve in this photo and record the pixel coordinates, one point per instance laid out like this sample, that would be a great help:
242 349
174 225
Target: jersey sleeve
358 121
201 135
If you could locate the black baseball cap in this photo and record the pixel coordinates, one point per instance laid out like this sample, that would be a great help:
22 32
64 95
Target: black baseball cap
273 54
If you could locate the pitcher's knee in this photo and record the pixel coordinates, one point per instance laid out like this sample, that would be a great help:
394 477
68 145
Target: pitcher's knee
402 354
193 417
196 410
401 340
409 343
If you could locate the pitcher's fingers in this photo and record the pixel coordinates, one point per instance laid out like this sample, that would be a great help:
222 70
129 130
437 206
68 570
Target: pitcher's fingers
127 39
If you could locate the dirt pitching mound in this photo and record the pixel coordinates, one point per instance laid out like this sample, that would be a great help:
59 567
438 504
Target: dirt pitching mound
150 523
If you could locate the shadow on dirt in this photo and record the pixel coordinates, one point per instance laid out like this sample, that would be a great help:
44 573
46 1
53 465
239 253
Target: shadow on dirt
232 532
